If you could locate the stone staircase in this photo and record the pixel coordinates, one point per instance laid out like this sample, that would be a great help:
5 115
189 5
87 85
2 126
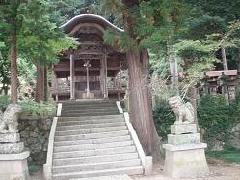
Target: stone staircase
92 140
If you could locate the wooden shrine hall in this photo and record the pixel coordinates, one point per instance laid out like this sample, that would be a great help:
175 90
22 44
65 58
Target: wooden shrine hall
93 70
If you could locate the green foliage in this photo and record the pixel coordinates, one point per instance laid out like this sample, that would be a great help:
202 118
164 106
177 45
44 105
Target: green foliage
42 110
163 118
159 65
41 40
217 118
228 155
4 102
205 25
154 23
26 70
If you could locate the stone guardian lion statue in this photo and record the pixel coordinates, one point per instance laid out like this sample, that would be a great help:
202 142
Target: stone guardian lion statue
184 112
8 119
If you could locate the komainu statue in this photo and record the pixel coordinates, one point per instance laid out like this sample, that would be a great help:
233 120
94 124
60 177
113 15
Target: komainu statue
184 112
8 120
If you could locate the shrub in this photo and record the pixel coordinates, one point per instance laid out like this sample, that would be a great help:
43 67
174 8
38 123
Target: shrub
163 118
217 118
4 102
41 110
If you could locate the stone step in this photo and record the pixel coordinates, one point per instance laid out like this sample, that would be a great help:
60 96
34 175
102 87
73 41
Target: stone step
100 103
91 136
93 159
89 108
90 126
93 141
92 146
90 111
97 152
60 119
88 131
93 111
88 122
126 170
79 114
96 166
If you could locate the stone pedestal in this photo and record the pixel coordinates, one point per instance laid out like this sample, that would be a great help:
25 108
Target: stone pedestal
14 166
185 156
13 158
9 143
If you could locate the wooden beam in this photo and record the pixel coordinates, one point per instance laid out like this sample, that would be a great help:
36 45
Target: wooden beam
63 69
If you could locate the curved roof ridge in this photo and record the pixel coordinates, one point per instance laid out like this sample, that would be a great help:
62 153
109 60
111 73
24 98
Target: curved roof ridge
74 20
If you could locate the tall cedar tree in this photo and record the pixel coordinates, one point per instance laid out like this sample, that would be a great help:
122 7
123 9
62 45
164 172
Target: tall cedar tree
41 42
11 23
146 25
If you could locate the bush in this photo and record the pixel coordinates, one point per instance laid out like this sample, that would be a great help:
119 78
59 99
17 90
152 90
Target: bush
163 118
42 110
217 118
4 102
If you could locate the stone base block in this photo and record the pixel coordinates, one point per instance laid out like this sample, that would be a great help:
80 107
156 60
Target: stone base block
183 128
14 166
9 137
184 139
185 161
88 95
11 148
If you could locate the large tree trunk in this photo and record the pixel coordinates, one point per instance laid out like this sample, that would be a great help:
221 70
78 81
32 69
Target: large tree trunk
13 56
140 109
40 83
140 106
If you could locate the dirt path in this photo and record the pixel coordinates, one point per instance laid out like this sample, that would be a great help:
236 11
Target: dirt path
218 171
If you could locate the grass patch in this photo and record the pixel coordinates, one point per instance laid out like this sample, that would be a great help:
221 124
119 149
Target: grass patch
229 155
33 168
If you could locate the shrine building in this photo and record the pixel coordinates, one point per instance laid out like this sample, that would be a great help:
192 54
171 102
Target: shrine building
92 70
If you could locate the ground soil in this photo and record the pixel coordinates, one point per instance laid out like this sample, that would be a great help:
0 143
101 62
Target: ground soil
219 170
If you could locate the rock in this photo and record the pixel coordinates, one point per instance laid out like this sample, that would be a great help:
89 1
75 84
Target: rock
9 123
235 140
184 138
9 137
34 133
183 128
11 148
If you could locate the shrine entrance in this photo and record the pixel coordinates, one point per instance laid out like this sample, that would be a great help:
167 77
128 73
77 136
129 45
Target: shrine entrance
88 82
93 70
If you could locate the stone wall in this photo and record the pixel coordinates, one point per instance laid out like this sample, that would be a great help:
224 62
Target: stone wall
34 133
235 140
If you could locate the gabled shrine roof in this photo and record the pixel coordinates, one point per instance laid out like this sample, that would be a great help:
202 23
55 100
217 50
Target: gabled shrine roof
89 18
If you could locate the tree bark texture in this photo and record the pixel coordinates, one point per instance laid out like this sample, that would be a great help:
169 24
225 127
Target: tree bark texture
13 56
224 56
45 83
40 84
140 108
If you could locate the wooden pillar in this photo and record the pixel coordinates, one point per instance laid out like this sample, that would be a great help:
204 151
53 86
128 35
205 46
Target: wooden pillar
55 85
105 94
72 74
102 76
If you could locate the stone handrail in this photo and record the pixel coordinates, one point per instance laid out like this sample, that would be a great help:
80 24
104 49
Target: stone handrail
47 168
59 109
146 160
